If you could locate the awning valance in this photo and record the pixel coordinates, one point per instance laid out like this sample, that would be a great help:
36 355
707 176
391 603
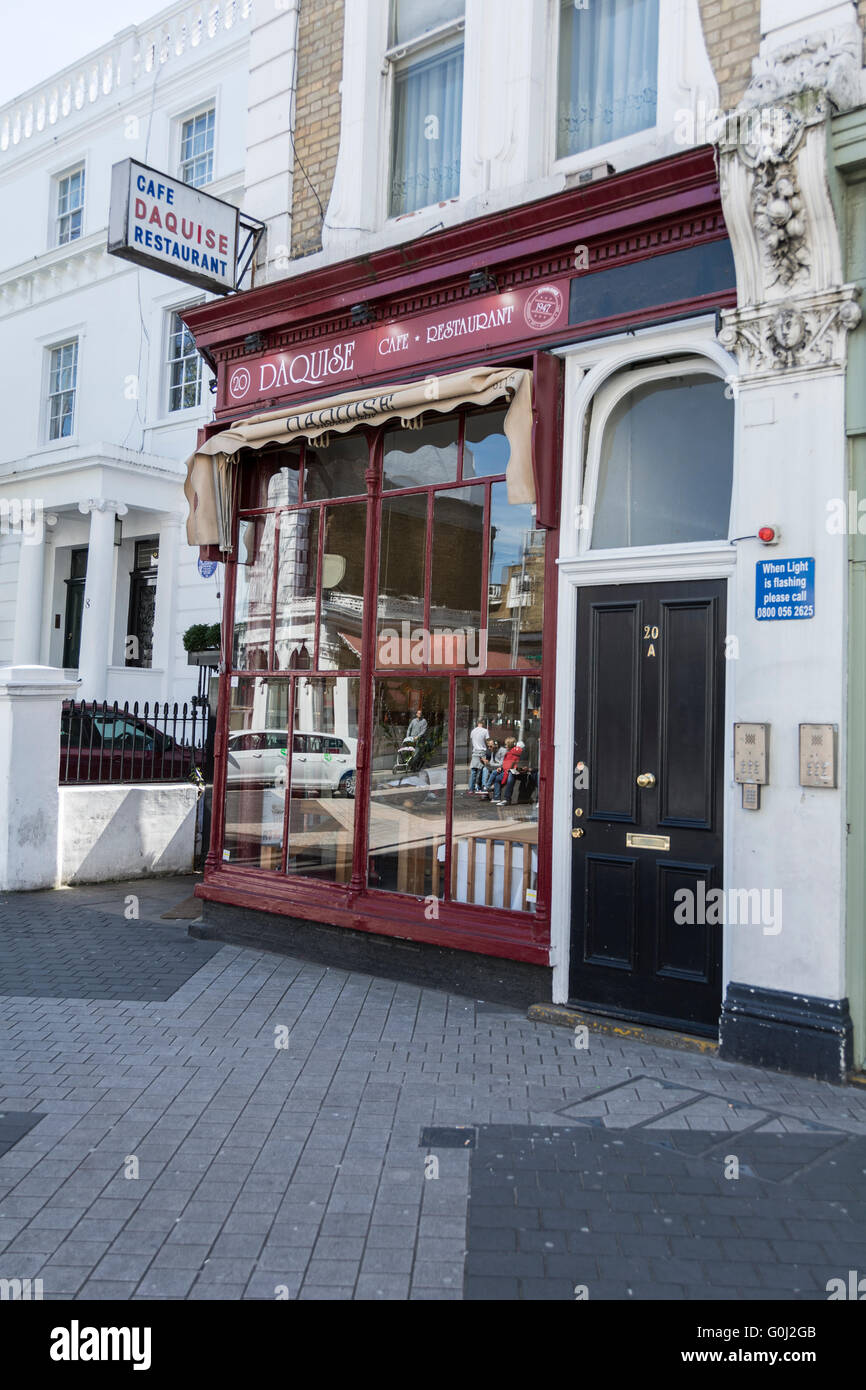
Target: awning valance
209 470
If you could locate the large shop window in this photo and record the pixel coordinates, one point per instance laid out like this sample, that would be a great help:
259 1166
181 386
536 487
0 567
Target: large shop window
608 72
447 643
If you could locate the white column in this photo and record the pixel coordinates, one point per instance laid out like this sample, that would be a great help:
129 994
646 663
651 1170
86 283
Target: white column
28 602
96 629
165 617
30 702
52 524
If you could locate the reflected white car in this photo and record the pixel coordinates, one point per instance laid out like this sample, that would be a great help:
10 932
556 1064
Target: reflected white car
257 756
322 764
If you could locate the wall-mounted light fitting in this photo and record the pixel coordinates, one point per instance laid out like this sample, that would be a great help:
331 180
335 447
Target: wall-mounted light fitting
361 314
253 342
482 280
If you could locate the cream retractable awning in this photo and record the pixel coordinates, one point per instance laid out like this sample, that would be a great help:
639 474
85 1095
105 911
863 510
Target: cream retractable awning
209 470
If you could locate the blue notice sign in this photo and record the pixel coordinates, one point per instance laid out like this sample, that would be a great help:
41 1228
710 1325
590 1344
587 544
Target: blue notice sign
207 568
785 589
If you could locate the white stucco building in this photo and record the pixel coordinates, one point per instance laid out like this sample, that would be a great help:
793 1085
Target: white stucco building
102 390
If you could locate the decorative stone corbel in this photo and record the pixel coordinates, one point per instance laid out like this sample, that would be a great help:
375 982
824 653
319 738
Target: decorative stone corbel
794 310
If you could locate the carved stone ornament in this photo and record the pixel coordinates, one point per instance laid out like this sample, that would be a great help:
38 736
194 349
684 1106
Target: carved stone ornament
794 310
805 335
766 142
823 62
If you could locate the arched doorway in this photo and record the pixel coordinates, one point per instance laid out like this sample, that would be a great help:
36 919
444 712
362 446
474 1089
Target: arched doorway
649 736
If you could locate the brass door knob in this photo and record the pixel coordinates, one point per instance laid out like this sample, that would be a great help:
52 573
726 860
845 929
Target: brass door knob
577 834
646 779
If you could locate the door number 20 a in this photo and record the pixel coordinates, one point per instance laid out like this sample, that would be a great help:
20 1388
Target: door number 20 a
650 634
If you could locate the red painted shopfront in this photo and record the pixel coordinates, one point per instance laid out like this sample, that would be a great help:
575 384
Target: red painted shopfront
383 479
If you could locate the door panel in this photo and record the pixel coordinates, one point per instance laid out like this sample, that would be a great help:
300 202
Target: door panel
649 724
687 711
611 912
615 710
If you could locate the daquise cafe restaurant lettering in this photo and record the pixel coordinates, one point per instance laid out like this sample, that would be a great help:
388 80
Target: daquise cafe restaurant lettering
482 323
164 224
157 226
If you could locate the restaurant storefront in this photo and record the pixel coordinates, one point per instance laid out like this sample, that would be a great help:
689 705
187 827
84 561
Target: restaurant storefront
405 473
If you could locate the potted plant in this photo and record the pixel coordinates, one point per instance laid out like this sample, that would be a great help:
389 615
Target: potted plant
202 644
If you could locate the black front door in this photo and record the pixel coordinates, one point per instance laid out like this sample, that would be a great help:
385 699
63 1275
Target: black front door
648 801
74 608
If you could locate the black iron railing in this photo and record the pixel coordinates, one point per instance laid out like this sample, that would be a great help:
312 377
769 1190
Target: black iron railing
101 742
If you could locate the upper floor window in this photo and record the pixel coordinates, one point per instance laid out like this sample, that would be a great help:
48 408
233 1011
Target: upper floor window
62 384
70 206
608 72
196 147
184 367
426 56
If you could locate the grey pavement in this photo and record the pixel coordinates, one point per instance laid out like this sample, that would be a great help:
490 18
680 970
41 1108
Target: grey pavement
187 1120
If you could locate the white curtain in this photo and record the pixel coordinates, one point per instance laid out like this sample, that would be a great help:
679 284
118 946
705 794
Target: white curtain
428 105
608 72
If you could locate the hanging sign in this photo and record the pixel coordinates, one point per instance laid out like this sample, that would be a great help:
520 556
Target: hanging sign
163 224
472 325
785 589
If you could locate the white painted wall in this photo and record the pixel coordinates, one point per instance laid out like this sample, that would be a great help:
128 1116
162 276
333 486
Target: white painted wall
790 673
114 833
30 702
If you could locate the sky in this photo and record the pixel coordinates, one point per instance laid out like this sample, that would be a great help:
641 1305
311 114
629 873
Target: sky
41 38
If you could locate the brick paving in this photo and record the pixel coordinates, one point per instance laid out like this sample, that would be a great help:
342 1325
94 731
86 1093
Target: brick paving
182 1153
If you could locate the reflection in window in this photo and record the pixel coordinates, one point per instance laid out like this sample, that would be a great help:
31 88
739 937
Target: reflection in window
494 847
342 611
254 594
608 72
269 479
666 465
255 772
402 549
322 803
295 629
486 450
336 469
408 787
515 596
436 577
421 457
455 581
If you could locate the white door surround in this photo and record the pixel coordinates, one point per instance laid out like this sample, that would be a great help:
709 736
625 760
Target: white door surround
588 367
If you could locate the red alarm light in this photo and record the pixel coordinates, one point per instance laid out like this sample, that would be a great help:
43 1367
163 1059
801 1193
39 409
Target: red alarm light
770 535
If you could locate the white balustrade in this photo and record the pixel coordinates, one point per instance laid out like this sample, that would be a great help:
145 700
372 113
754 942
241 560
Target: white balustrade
178 30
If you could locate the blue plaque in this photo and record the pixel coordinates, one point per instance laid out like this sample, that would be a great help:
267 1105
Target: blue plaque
207 568
785 589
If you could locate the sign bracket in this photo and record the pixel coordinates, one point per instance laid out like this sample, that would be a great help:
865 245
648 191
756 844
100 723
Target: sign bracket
254 230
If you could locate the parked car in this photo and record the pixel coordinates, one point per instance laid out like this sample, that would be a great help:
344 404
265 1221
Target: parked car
98 744
321 763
